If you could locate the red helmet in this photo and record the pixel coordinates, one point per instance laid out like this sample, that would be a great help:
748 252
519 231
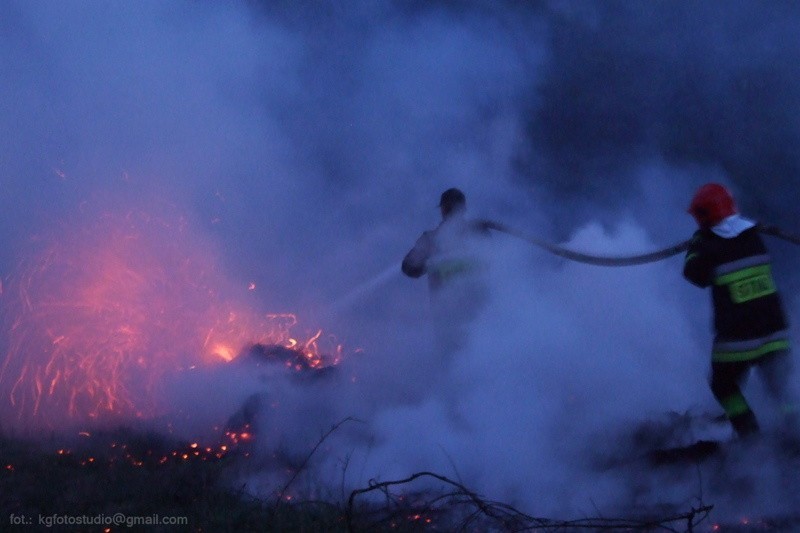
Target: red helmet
711 204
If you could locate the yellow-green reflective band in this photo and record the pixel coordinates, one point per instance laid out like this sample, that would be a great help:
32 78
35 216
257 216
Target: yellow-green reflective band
747 355
751 288
735 405
689 257
789 408
742 274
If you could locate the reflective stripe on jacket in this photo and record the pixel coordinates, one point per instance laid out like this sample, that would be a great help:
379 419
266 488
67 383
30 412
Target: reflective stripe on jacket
749 320
446 252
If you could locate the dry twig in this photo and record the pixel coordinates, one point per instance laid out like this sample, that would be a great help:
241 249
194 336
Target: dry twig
302 466
502 517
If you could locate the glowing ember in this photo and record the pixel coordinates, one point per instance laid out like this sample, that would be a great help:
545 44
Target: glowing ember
146 453
98 314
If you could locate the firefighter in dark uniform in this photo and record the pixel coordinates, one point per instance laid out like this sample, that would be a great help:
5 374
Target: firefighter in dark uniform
750 325
452 257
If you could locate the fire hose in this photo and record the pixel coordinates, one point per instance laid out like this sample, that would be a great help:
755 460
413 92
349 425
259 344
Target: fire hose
627 260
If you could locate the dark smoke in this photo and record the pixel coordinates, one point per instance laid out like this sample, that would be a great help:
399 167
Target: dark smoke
705 84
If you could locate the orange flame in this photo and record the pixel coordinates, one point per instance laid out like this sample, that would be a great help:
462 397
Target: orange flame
102 312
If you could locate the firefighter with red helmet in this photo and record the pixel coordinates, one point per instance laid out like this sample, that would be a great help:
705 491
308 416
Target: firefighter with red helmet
750 326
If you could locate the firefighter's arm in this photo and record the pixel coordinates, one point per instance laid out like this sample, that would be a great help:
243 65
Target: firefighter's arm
415 262
697 267
483 226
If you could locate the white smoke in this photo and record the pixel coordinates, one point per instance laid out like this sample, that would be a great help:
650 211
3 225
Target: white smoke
314 147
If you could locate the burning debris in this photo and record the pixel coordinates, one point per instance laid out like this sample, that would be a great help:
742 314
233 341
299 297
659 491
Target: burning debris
99 313
99 322
303 362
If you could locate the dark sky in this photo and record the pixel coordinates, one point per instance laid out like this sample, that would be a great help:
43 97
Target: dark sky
705 84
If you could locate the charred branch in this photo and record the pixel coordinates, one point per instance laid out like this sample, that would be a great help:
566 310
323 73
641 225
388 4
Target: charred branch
479 513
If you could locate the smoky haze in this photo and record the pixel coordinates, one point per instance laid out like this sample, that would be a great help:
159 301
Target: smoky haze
310 144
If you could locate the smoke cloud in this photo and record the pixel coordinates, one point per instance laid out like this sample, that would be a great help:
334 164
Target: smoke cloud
304 147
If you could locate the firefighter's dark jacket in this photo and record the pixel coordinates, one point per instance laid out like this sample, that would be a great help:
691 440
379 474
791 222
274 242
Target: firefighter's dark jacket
749 320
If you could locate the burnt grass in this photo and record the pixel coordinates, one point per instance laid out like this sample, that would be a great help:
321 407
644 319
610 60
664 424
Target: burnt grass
143 474
140 474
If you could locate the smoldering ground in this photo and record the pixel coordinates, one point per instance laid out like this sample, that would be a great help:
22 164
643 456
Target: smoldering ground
311 143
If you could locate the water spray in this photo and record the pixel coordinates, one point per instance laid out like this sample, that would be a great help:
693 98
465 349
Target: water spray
365 288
